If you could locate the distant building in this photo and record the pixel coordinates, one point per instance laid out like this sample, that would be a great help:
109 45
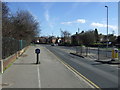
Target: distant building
40 40
52 39
76 39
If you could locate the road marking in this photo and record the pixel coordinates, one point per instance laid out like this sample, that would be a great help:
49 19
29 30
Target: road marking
38 76
77 74
81 75
75 71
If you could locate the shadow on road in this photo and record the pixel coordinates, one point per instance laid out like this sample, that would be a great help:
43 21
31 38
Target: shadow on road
96 64
24 63
109 62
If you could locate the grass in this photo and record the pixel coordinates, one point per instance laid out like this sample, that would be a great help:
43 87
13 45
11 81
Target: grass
11 63
33 44
7 66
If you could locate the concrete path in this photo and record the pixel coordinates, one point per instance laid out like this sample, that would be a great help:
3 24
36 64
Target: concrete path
50 73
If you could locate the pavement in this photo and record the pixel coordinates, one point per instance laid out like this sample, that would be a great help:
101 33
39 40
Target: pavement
50 73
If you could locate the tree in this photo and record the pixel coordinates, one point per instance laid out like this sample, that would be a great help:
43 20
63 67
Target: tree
118 40
96 35
21 26
82 32
65 33
5 10
6 23
66 36
88 38
26 27
112 38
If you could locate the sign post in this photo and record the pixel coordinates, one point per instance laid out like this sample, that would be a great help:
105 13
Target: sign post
37 51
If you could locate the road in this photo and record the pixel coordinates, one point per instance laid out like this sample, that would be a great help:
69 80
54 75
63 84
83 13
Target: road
103 75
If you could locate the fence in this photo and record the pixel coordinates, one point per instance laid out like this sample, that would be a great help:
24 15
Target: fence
11 46
97 53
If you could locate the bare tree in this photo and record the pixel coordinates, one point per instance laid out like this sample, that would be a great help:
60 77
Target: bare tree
66 36
21 26
6 30
26 27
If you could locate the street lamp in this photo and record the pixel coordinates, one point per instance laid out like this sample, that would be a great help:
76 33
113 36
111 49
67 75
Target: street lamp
107 29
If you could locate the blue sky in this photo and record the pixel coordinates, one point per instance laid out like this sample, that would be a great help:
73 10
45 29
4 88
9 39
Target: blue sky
70 16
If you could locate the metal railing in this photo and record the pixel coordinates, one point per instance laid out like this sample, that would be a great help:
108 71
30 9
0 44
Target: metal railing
10 46
97 53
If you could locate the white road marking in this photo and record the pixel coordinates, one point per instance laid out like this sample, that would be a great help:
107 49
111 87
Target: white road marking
79 76
39 82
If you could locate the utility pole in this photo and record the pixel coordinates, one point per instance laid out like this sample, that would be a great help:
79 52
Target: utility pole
107 30
78 30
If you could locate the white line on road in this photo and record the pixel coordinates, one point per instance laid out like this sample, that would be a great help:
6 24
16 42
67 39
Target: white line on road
39 76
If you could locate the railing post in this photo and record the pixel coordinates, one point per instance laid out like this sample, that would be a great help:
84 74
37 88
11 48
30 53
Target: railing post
1 66
98 52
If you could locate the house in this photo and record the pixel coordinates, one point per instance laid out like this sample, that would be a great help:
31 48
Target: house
52 39
41 40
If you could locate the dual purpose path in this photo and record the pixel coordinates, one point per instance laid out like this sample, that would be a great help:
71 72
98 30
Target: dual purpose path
50 73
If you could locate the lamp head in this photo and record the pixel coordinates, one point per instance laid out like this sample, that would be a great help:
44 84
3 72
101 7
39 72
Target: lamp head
106 6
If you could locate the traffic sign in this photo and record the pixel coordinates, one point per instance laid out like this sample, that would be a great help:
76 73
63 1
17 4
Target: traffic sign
37 51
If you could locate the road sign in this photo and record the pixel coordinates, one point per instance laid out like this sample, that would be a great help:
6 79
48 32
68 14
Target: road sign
37 51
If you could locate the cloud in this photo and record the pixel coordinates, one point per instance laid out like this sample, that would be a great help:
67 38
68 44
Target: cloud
98 25
104 25
50 20
76 21
67 23
47 17
81 20
113 27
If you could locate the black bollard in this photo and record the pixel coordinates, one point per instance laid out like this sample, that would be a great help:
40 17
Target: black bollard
37 51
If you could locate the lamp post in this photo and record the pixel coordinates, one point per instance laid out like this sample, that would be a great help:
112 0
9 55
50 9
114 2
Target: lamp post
107 29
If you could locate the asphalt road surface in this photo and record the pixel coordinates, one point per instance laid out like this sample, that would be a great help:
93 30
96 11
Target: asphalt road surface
103 75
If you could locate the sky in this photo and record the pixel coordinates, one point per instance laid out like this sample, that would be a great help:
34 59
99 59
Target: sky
56 16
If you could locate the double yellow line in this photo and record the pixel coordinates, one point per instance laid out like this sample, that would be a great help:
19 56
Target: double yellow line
75 71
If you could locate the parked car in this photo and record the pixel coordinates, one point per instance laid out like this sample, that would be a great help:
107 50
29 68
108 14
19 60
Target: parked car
53 44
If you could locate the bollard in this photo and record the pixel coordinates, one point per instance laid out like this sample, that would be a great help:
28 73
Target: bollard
114 54
37 51
1 66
